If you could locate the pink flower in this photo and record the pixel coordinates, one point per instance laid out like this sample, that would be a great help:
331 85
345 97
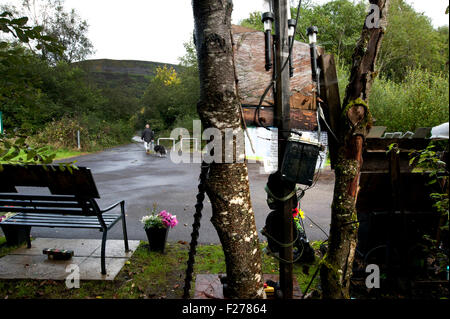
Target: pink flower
168 219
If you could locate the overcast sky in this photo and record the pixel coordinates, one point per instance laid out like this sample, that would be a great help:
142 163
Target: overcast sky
155 30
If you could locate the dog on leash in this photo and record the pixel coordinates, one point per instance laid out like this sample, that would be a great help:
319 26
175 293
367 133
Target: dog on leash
161 150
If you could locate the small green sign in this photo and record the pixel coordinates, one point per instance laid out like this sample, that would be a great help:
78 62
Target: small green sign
1 123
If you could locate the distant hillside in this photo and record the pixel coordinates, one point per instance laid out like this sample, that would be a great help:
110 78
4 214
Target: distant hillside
131 77
130 67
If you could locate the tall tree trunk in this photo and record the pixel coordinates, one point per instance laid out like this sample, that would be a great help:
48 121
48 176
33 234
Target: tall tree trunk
336 270
227 184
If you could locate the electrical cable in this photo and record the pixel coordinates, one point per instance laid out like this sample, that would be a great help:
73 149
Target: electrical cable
265 233
283 245
326 123
275 75
317 226
318 268
270 253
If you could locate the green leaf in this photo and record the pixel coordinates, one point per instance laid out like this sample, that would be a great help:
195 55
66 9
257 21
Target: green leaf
21 35
11 155
3 152
38 29
6 13
31 154
20 141
48 38
20 21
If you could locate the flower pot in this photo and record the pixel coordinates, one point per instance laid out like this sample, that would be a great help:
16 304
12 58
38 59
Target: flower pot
15 234
157 238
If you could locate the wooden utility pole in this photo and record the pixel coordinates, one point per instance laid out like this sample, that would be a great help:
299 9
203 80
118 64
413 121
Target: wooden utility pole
282 121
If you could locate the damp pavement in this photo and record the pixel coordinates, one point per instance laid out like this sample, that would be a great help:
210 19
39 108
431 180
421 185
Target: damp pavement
128 173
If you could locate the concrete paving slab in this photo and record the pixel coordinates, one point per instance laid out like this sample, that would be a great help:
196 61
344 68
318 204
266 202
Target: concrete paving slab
116 249
80 247
208 286
37 267
90 268
31 263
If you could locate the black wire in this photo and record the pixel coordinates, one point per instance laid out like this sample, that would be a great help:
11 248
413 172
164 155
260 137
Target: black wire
318 266
274 78
312 279
317 226
328 126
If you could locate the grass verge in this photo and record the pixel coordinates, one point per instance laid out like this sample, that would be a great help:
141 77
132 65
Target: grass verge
63 154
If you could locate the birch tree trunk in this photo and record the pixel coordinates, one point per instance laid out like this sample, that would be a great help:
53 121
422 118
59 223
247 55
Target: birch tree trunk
336 270
227 184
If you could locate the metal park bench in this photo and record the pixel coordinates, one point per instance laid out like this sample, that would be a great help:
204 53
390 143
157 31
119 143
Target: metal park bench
72 203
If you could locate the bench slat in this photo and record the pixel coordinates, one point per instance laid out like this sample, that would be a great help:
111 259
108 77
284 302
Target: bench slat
47 210
42 204
43 220
38 197
35 222
106 215
25 220
61 225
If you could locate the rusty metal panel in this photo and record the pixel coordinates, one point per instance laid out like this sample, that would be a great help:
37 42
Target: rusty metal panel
253 78
300 119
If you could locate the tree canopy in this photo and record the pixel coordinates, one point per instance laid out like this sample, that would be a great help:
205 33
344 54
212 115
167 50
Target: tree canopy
171 97
412 42
66 27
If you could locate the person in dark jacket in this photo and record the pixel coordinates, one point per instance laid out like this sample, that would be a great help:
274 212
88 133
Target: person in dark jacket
148 137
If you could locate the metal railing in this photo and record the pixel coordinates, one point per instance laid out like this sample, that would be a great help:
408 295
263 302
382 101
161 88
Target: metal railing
168 138
189 138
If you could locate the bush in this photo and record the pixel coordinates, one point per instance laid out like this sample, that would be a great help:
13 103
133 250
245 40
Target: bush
420 100
59 134
95 134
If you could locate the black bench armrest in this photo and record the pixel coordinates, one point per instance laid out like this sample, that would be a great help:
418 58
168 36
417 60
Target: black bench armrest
112 206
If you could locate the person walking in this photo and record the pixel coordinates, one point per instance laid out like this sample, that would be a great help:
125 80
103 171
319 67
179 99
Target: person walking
148 137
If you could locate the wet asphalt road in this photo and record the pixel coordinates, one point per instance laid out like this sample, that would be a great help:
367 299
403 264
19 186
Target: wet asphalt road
126 172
